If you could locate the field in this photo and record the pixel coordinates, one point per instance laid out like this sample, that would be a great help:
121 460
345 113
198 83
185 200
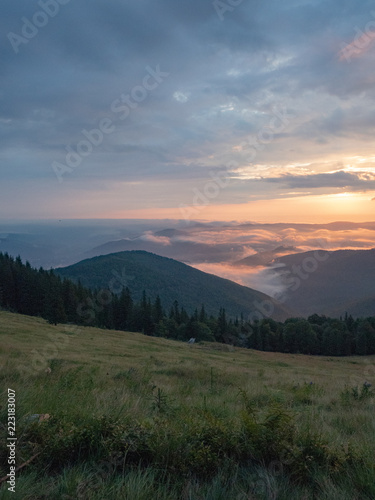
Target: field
139 418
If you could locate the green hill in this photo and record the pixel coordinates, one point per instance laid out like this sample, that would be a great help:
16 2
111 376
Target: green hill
172 280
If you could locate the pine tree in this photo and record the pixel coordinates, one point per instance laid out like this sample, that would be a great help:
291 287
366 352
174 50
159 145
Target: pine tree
202 315
175 312
222 326
123 307
157 310
148 326
54 303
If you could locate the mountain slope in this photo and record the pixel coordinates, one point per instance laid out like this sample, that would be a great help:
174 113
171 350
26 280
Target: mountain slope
332 284
171 280
265 258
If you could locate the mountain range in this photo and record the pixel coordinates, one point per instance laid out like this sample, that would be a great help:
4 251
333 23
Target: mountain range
260 256
321 282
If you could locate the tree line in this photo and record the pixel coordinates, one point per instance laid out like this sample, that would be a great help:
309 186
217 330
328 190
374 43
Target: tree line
26 290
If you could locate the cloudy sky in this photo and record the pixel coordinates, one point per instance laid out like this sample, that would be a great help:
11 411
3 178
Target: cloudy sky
200 109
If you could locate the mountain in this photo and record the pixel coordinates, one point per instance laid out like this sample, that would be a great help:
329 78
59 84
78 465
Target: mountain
23 244
330 283
172 280
167 244
266 257
57 243
362 308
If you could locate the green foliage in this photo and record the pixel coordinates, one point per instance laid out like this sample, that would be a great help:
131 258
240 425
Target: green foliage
194 444
364 393
311 453
161 402
304 394
66 440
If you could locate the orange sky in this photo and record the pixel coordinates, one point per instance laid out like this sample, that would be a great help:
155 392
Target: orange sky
354 207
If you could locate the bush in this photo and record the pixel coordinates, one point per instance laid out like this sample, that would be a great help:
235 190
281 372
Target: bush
62 441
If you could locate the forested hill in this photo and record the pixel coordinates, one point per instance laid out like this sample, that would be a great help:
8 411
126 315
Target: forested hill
171 280
42 293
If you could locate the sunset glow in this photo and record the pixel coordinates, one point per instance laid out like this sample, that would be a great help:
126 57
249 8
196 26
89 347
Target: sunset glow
353 207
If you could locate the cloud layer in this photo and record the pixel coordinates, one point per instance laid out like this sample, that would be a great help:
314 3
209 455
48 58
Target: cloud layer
135 104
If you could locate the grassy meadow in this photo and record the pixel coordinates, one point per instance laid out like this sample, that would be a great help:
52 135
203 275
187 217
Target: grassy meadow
139 418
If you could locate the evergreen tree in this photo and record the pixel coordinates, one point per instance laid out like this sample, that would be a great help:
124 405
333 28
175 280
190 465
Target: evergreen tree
202 315
70 300
148 326
361 338
54 303
175 312
222 326
123 308
157 312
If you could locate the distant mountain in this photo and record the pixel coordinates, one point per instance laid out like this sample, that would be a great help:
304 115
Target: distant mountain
266 257
170 233
363 308
23 244
171 280
57 243
167 244
329 283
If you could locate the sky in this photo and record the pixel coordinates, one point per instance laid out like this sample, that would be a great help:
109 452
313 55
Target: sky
203 110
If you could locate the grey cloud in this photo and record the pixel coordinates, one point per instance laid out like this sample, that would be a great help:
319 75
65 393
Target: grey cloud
339 179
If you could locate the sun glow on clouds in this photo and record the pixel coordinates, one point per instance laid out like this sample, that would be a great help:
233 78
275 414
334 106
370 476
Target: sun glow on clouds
344 195
347 201
362 167
264 171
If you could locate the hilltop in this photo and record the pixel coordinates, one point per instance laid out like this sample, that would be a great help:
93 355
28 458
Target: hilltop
171 280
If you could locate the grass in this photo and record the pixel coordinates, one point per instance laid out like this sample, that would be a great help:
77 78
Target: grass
136 417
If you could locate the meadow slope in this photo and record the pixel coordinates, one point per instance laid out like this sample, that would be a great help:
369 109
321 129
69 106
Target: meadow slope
195 421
